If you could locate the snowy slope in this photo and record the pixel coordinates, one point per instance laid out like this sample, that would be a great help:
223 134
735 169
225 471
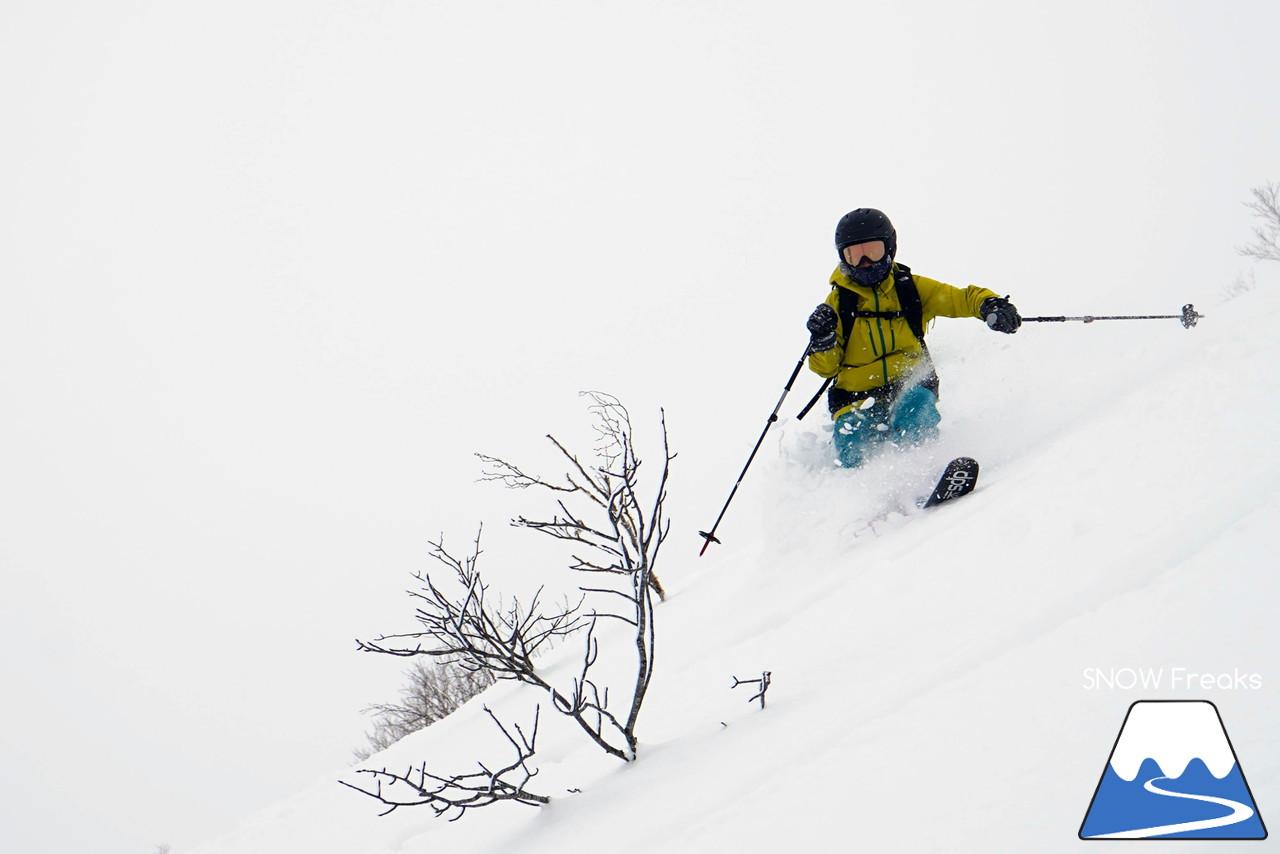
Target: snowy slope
929 690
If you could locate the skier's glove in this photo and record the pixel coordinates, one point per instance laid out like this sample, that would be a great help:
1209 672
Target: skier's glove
822 329
1000 314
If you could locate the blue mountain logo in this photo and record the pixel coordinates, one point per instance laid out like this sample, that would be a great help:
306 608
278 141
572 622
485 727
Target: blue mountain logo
1173 774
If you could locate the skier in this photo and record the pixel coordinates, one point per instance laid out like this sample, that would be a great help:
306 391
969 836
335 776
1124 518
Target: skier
869 337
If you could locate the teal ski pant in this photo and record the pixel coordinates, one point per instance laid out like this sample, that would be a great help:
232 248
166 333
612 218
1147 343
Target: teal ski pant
910 418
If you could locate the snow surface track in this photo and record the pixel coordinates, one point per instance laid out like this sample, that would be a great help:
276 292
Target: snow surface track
927 672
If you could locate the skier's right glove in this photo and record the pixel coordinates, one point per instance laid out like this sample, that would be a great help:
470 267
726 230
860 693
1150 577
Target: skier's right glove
1000 314
822 329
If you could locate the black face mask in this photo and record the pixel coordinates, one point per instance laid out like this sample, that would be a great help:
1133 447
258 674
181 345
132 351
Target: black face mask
868 276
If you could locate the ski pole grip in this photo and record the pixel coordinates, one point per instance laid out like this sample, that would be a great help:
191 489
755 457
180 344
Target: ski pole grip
1190 316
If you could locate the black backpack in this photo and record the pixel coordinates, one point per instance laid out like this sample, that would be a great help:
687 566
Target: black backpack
912 312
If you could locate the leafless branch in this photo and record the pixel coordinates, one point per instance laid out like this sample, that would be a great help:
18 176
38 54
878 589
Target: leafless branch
464 626
454 794
627 535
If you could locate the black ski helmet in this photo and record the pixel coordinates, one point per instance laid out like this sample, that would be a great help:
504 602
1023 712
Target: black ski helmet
866 224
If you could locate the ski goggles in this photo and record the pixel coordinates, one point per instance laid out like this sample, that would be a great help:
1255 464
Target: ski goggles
872 250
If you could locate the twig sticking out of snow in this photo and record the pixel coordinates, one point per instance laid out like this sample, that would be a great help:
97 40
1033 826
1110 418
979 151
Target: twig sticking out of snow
764 681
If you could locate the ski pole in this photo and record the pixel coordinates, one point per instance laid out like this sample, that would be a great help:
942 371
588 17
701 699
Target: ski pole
710 536
1189 317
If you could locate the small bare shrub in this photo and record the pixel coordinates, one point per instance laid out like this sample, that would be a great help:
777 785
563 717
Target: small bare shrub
1266 207
433 692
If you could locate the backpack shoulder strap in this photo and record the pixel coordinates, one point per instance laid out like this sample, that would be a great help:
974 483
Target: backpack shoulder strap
913 314
909 299
846 309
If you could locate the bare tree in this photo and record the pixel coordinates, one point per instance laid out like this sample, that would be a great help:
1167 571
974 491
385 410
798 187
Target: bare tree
620 535
1266 207
617 536
433 692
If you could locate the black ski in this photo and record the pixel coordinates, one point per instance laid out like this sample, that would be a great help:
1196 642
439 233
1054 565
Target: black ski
959 479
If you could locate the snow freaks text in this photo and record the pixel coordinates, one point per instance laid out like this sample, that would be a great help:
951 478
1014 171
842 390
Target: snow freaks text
1167 678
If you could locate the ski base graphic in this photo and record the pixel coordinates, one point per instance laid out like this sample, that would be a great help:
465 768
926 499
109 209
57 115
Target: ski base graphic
958 479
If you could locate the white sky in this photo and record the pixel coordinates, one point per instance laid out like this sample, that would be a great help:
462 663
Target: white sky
271 271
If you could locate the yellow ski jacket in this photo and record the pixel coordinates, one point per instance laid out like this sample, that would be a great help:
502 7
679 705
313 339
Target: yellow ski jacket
878 351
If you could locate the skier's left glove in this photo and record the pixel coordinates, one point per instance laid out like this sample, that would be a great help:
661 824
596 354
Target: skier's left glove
1000 314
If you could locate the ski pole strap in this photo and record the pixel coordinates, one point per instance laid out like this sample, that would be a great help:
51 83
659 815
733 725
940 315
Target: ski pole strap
814 400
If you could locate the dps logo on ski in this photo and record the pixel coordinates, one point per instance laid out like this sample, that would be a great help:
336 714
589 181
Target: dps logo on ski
958 480
1172 774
